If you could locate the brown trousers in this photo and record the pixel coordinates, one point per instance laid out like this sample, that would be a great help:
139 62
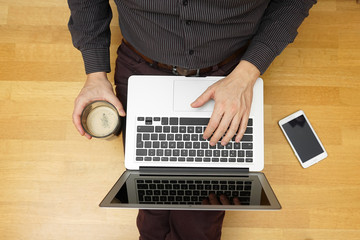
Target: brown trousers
167 224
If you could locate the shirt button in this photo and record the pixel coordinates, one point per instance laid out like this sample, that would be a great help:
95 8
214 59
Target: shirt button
191 52
188 22
185 2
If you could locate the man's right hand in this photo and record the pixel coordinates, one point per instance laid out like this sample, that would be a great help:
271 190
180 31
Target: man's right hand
97 87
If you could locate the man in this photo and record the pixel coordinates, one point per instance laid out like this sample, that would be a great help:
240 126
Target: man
234 38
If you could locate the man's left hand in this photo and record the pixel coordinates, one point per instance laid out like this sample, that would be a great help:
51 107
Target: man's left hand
233 97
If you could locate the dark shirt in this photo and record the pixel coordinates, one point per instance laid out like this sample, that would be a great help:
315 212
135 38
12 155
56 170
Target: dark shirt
188 33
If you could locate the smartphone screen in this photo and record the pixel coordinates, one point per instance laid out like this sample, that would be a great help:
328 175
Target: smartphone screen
302 138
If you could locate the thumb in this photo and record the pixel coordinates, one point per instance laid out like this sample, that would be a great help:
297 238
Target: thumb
115 101
203 98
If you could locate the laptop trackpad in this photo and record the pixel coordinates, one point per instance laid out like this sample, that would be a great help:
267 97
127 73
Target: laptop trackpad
187 91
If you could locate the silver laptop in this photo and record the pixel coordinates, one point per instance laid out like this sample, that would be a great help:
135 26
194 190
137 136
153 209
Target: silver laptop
170 166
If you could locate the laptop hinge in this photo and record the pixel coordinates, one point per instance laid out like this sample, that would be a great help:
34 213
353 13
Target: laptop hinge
192 170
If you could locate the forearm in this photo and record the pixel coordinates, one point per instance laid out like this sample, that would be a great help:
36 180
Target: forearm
89 27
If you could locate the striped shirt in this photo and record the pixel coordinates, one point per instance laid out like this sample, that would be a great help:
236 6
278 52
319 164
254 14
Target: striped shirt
188 33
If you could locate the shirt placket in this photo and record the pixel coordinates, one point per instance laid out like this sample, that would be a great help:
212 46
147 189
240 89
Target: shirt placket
185 13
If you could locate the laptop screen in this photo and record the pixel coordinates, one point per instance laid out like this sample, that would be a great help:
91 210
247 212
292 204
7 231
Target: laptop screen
200 191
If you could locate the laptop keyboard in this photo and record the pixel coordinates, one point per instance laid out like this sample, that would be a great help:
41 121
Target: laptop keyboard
191 192
172 139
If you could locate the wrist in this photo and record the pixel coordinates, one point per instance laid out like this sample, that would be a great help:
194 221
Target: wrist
248 69
97 75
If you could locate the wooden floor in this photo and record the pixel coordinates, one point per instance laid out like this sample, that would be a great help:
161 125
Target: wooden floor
52 180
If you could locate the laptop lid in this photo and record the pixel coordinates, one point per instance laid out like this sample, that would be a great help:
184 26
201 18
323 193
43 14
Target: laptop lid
158 97
190 189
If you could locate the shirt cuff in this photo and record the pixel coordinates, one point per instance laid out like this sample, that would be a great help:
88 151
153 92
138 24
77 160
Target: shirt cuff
260 55
96 60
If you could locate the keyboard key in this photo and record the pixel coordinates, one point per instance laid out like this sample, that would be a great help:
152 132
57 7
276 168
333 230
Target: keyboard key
180 144
164 144
164 121
198 129
247 138
174 129
146 136
182 129
184 153
158 129
190 129
174 121
148 121
188 144
162 137
166 129
208 153
178 137
147 144
241 153
194 137
249 130
170 137
250 122
172 144
249 154
145 129
224 153
156 144
141 152
247 145
160 152
194 121
154 136
140 119
151 152
200 153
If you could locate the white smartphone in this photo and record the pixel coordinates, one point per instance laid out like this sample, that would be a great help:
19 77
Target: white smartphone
303 139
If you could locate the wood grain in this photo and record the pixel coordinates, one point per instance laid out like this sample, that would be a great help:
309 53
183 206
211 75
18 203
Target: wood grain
52 179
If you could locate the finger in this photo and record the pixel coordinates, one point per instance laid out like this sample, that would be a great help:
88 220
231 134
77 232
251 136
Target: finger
205 202
234 126
224 200
243 125
88 136
221 129
117 104
76 117
236 201
203 98
213 199
214 122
